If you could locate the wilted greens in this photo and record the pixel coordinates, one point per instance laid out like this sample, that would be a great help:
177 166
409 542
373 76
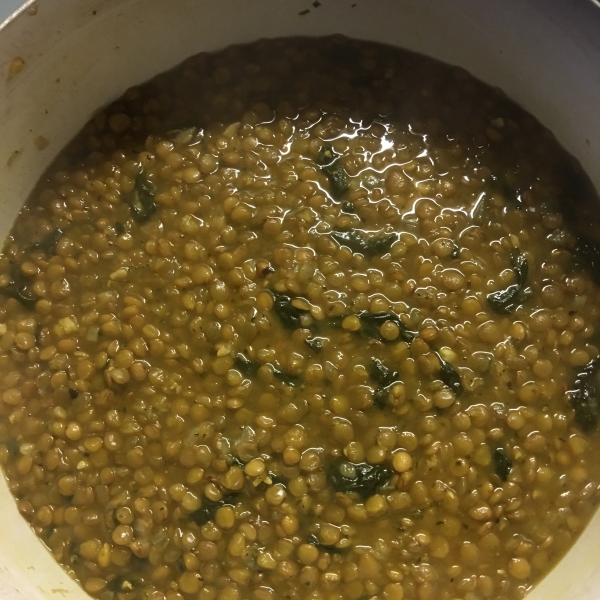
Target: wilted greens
18 289
449 375
506 301
287 313
371 322
365 478
386 378
369 245
331 165
502 463
48 243
141 199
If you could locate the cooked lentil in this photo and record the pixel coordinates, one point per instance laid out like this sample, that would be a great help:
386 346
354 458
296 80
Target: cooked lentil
298 319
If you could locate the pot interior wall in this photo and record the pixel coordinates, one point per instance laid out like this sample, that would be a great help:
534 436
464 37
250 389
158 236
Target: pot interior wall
81 54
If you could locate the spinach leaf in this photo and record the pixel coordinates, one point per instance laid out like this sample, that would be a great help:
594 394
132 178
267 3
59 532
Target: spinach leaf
505 301
502 463
315 343
449 375
48 243
381 397
209 509
386 379
332 167
18 289
371 322
584 397
141 199
313 540
245 366
381 374
368 245
368 478
249 368
288 314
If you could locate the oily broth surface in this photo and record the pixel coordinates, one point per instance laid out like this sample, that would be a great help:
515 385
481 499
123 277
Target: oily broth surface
157 463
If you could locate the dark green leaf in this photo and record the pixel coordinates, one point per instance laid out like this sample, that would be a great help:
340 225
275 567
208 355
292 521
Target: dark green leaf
315 343
386 378
249 368
18 288
141 199
506 301
20 293
332 167
314 541
381 374
368 245
368 478
502 463
209 509
584 397
289 315
381 396
371 322
48 243
245 366
449 375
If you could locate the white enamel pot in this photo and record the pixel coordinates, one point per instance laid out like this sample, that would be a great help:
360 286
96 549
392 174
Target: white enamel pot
80 54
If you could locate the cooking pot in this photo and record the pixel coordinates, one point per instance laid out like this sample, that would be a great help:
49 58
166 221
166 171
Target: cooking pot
61 60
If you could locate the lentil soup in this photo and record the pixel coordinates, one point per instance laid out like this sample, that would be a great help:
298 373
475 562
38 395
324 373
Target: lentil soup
303 319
